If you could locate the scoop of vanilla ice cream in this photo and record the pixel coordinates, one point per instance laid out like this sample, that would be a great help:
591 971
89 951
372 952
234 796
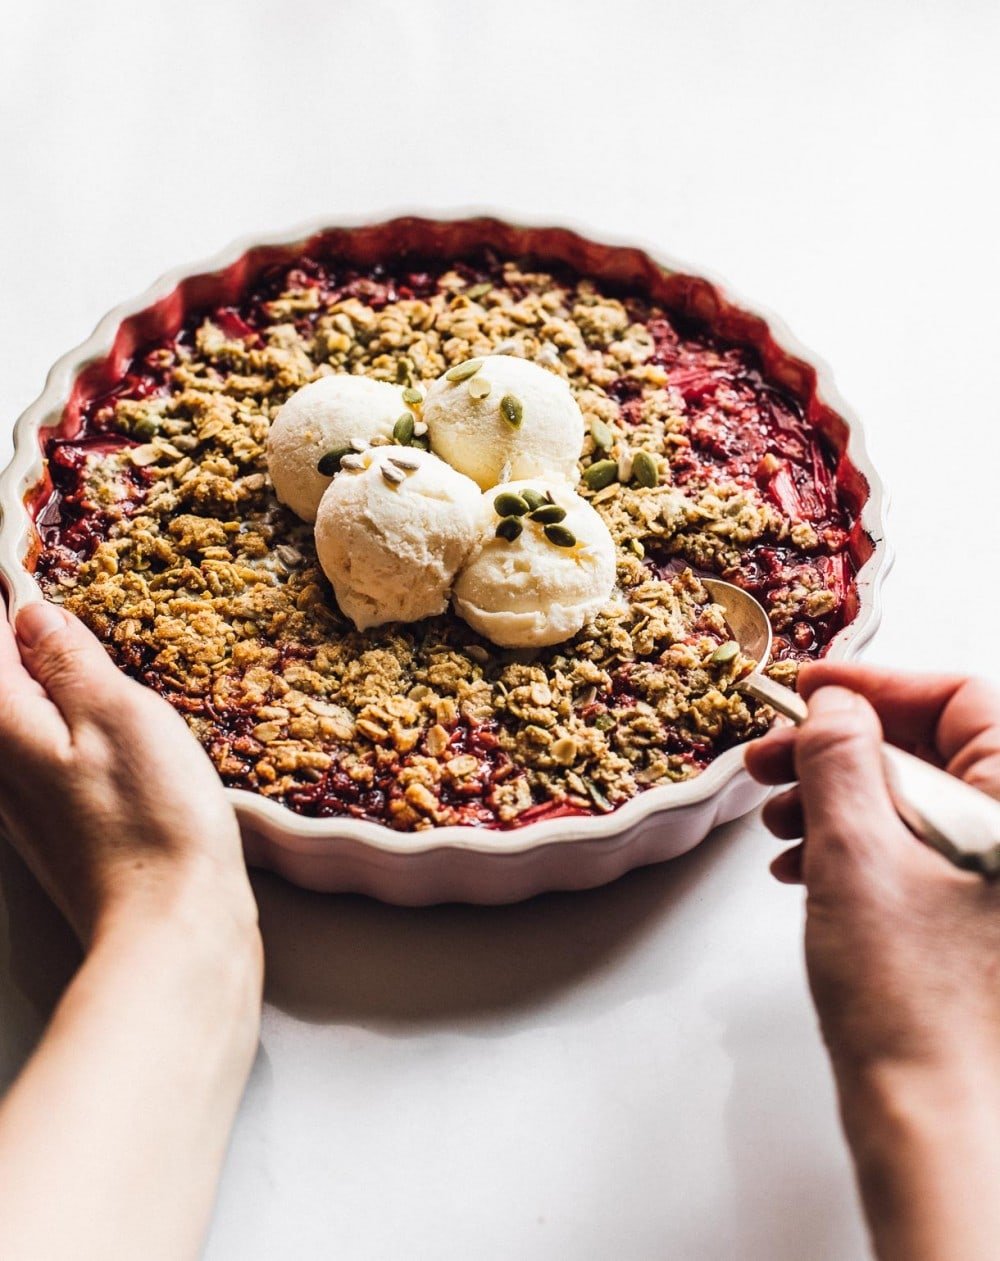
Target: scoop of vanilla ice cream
529 592
326 415
475 436
392 534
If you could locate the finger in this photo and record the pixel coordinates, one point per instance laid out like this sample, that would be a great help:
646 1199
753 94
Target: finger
845 800
787 867
14 679
69 662
968 734
909 706
771 760
782 815
27 716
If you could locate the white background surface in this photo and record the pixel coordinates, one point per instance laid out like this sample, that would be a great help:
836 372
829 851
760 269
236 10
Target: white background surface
634 1072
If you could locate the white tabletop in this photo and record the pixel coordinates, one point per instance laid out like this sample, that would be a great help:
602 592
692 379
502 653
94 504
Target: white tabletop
633 1072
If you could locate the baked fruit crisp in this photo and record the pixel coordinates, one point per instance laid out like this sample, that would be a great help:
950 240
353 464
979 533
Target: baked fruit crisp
161 529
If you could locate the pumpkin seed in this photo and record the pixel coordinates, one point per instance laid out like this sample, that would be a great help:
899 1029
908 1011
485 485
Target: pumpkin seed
509 528
596 796
559 536
602 435
421 442
644 469
533 498
479 388
549 514
480 290
462 371
636 548
511 410
600 474
725 653
509 504
402 430
330 463
412 396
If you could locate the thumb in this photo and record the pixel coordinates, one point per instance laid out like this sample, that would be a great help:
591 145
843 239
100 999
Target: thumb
838 760
66 659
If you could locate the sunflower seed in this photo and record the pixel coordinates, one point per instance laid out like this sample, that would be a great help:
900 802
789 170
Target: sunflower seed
625 467
353 462
404 462
478 653
359 445
402 430
330 463
394 476
509 528
412 396
600 474
549 514
602 435
420 428
725 653
644 469
479 388
511 410
462 371
559 536
636 548
509 504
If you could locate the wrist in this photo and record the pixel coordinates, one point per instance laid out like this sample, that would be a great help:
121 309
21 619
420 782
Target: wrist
926 1147
196 918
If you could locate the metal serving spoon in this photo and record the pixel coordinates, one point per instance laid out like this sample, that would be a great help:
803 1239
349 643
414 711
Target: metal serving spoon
954 818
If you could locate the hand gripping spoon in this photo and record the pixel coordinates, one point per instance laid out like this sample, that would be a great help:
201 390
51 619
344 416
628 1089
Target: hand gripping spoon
954 818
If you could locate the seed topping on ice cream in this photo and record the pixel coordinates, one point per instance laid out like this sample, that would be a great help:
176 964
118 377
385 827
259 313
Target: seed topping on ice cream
317 429
502 417
541 571
392 530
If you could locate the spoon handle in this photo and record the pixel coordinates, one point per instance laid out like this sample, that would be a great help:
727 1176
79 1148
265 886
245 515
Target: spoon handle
951 816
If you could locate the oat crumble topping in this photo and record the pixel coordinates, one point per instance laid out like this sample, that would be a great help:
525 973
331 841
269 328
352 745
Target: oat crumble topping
163 534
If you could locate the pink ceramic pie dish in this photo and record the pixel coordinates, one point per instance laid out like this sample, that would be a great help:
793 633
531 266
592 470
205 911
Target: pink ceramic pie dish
466 863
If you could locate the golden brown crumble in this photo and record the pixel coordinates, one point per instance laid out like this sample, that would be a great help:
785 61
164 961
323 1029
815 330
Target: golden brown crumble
210 590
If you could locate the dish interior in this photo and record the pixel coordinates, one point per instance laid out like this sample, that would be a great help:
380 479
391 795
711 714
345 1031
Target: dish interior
157 524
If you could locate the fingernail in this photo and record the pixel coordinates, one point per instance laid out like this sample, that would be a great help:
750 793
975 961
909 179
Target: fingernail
37 621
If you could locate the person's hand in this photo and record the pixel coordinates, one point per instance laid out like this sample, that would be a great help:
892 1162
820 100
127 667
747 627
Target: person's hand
122 1115
103 790
902 948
